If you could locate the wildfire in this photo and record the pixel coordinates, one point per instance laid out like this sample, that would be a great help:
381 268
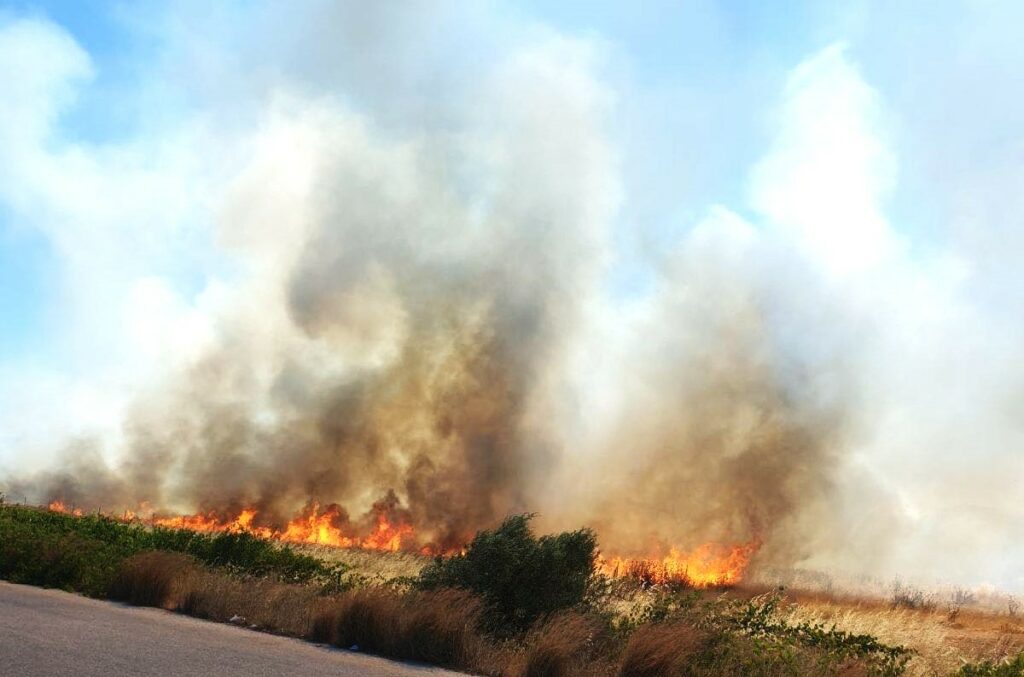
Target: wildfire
210 522
709 565
323 528
329 526
58 506
387 536
387 528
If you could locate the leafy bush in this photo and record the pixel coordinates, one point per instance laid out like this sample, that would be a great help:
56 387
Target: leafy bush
758 618
65 560
520 577
1008 668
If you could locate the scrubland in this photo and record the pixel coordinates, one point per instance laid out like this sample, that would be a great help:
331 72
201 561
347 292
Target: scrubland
515 604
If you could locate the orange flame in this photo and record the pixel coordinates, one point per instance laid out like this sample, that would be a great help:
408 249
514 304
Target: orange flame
329 526
210 522
58 506
387 536
323 528
709 565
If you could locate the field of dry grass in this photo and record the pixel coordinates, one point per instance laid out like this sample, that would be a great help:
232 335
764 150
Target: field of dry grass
377 566
409 606
944 633
945 627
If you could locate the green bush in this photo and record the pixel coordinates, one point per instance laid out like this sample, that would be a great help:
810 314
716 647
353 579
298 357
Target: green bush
63 560
57 550
1007 668
520 577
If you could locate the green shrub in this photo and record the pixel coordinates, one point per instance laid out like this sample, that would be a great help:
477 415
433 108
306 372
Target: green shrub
520 577
66 561
1008 668
83 553
255 556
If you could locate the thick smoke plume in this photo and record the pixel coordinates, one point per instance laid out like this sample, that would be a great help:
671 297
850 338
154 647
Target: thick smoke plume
415 313
404 335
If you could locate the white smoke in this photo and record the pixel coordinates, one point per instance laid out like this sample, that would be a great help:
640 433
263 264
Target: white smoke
798 360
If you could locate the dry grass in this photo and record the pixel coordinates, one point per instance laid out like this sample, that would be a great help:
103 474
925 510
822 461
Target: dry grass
261 603
152 578
944 635
565 645
376 565
953 627
176 582
658 650
436 627
441 627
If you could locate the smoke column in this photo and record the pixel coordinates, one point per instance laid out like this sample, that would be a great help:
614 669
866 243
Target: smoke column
416 306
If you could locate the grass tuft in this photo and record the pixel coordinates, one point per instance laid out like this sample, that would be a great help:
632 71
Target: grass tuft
151 578
655 650
566 644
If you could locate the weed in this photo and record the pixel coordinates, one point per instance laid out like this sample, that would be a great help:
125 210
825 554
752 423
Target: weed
438 627
150 578
1010 667
906 597
565 644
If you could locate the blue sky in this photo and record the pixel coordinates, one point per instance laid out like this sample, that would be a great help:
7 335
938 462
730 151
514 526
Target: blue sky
857 169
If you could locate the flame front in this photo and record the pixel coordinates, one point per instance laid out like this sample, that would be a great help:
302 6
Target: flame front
709 565
322 528
388 536
327 526
59 506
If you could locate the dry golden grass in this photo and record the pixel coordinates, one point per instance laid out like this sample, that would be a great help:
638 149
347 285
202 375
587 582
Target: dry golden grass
152 578
949 628
944 635
262 603
946 630
566 645
433 627
377 565
176 582
657 650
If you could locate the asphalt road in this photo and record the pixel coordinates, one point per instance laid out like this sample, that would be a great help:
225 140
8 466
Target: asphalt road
47 633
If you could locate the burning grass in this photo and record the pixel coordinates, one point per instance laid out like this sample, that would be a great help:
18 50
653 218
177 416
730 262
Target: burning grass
710 565
328 531
459 612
